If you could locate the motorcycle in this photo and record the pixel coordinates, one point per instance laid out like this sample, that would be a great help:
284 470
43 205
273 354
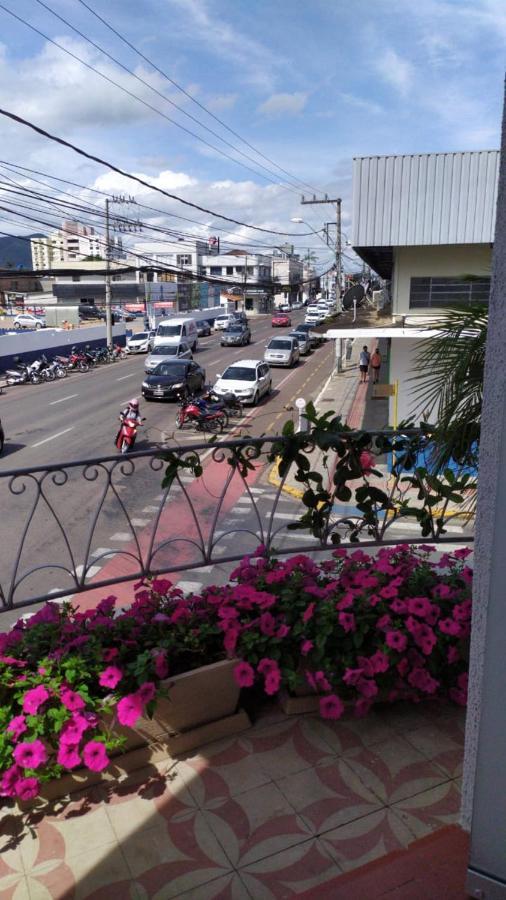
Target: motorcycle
57 368
117 352
196 412
22 374
229 403
43 368
76 360
125 439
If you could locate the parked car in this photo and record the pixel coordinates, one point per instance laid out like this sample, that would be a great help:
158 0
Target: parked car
240 315
173 377
27 320
222 322
284 307
236 334
203 328
142 342
314 317
303 340
280 320
315 338
282 351
248 379
2 437
90 311
166 352
122 315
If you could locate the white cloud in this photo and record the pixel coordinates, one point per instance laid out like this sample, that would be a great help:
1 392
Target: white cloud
284 104
395 70
220 102
361 103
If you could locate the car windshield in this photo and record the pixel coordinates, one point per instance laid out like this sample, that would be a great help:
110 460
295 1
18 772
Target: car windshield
162 350
298 335
169 330
233 329
175 370
279 344
141 336
239 373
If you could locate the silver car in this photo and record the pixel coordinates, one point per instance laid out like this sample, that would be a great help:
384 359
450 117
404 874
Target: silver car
303 341
165 352
282 351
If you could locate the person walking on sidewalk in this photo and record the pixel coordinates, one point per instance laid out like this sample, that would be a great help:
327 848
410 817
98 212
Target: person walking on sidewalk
363 364
376 366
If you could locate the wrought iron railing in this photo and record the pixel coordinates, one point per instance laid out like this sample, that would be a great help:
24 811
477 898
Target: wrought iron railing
71 527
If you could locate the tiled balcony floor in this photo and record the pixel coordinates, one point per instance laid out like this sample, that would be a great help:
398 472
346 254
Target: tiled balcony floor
273 812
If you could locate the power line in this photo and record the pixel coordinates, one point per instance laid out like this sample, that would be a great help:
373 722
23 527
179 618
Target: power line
20 120
190 97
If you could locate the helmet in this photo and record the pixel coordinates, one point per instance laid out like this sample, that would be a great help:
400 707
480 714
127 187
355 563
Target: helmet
134 403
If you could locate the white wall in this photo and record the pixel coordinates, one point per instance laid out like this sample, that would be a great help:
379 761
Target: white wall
450 259
402 355
47 339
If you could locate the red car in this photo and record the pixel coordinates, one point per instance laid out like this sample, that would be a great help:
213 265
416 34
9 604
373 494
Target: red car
280 320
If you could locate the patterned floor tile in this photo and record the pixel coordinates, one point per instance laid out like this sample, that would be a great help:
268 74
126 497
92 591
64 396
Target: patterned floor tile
255 824
221 781
302 868
229 887
442 745
401 717
89 876
394 770
359 842
281 750
327 796
336 737
372 729
431 809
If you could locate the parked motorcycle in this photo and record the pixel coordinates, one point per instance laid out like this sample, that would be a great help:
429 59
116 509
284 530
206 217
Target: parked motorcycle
125 439
76 360
229 403
21 374
57 369
195 412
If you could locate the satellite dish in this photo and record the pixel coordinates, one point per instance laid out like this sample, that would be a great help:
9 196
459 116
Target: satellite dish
356 292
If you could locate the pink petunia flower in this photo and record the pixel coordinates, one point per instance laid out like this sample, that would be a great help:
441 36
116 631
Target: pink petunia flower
347 621
379 662
353 676
267 665
110 677
419 606
306 647
367 687
67 756
33 699
161 665
30 755
366 460
244 674
129 710
161 585
321 681
272 682
230 639
74 728
453 655
362 707
396 640
26 788
16 726
8 781
71 699
267 624
331 707
95 756
146 692
308 612
283 631
109 654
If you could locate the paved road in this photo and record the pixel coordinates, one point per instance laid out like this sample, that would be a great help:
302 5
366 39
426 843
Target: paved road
76 419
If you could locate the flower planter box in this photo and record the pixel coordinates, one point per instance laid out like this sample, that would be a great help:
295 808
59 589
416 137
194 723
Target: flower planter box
301 701
203 707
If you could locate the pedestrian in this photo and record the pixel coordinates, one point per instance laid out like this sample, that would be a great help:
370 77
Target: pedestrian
376 366
364 361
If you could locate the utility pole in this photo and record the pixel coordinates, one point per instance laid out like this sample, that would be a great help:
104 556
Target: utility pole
120 225
338 251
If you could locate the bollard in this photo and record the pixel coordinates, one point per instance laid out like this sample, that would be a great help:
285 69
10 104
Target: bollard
302 424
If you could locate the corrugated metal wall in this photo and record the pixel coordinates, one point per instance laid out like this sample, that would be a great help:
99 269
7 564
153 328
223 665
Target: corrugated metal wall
434 198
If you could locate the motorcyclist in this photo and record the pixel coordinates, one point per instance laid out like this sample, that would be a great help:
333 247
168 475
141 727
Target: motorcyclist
131 411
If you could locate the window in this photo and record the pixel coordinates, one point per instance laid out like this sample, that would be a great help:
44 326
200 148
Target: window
250 270
184 259
438 291
239 269
230 270
76 277
215 270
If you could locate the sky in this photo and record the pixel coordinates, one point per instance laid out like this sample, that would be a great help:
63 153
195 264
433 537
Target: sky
309 85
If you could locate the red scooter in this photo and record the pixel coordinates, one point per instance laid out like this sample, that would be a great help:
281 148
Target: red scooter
125 439
195 412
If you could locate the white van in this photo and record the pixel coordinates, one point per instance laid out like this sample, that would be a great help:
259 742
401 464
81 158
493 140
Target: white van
176 331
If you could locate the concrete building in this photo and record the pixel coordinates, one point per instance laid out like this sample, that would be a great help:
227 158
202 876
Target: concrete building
72 242
185 253
288 272
426 224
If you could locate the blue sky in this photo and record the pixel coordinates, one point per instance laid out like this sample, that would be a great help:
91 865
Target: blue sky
310 84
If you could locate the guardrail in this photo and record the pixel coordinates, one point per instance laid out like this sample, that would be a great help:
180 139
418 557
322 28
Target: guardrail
54 516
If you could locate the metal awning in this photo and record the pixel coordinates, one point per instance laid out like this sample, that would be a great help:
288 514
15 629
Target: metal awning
381 332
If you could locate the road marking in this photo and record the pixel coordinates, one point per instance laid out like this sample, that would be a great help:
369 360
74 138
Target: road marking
53 437
93 570
121 536
70 397
281 515
190 587
123 377
101 551
150 509
140 523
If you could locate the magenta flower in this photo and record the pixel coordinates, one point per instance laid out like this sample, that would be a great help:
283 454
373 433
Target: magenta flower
26 788
161 585
67 756
95 756
347 600
146 692
109 654
71 700
379 662
8 781
110 677
398 606
74 729
267 665
331 707
161 665
283 631
453 655
308 612
272 682
244 674
129 710
16 726
367 687
35 698
366 460
306 647
361 707
267 624
396 640
321 681
347 621
230 639
419 606
30 755
353 676
421 679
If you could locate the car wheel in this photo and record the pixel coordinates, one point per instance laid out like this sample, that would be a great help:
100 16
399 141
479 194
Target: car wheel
17 325
38 326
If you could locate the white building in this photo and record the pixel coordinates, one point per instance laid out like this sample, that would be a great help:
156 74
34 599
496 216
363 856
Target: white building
426 224
186 253
288 273
72 242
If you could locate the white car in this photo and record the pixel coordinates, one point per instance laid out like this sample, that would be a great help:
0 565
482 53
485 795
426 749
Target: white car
142 342
222 322
282 352
27 320
314 317
247 379
166 352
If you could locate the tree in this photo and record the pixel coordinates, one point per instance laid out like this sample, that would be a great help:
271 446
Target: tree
449 383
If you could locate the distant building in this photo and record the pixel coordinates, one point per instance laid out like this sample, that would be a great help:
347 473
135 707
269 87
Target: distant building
288 273
72 242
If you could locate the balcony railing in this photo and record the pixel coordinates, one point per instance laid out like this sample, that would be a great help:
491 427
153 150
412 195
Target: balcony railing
71 527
